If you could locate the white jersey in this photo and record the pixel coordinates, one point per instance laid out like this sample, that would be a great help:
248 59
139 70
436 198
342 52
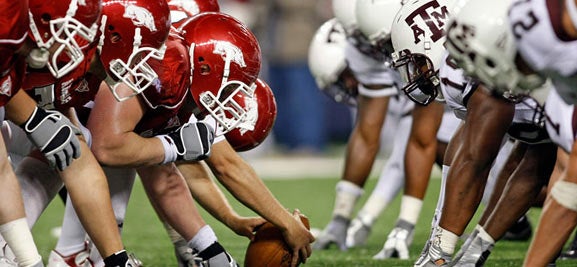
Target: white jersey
400 105
370 71
458 88
544 45
449 126
562 121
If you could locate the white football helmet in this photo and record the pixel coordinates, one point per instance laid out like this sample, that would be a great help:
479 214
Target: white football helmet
326 59
344 11
375 19
480 40
418 35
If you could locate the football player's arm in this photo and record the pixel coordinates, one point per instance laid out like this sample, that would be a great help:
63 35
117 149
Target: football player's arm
241 180
112 126
206 192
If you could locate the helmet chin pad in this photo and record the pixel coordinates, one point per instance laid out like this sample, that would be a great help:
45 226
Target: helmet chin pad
38 58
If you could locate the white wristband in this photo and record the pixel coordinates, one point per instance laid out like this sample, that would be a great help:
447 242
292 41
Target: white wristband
169 149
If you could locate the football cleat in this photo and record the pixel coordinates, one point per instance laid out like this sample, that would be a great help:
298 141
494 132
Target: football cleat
6 262
474 251
7 258
221 260
334 233
133 261
214 256
185 256
78 259
398 242
357 233
433 256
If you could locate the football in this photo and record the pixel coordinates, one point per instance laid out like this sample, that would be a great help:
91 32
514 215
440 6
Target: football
268 249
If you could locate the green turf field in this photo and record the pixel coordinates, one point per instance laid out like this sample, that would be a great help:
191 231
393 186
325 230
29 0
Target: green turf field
144 235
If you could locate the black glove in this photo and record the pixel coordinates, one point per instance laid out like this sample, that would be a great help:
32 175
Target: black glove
190 142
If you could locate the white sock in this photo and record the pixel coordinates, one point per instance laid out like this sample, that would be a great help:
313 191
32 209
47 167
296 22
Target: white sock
203 239
410 209
73 234
447 240
484 235
347 195
18 236
390 182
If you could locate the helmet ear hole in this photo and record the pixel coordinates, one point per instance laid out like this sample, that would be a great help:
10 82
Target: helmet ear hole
472 56
204 69
490 63
45 18
115 38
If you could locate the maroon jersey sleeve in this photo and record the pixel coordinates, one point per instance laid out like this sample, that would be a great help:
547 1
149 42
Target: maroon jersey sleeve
11 80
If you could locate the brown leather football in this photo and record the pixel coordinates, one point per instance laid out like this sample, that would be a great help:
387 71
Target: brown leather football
268 249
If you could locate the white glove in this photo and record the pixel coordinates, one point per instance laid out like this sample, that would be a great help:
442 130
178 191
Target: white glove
54 135
190 142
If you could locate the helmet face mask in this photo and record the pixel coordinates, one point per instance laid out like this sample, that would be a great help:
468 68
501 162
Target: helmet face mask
378 50
259 121
136 73
225 107
344 90
418 71
62 36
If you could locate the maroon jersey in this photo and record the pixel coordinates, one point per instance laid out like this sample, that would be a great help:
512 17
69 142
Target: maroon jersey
170 104
13 31
74 90
11 80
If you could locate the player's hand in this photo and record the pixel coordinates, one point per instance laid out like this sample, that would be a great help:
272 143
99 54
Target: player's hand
54 135
190 142
299 239
246 226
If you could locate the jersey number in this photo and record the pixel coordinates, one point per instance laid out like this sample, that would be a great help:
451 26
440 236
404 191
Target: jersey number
44 96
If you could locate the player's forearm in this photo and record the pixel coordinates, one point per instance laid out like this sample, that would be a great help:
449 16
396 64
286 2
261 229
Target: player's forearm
20 108
207 193
128 150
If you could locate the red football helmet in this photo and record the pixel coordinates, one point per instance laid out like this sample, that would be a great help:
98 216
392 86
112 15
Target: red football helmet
182 9
252 132
72 24
226 60
131 33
